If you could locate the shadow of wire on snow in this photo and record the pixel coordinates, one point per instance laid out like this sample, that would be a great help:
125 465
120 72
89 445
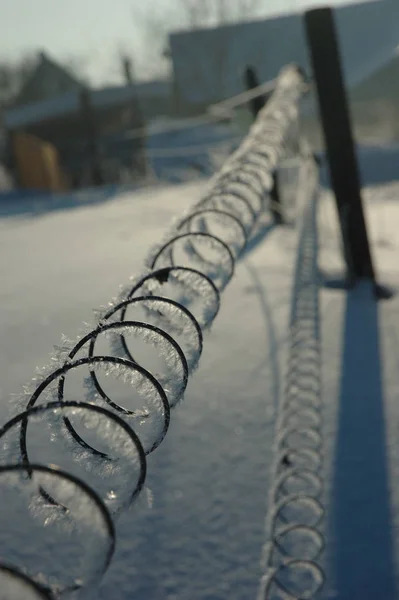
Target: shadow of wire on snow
271 340
30 203
185 155
263 232
36 203
360 517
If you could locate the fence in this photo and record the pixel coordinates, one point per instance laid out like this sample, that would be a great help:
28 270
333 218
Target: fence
294 523
105 444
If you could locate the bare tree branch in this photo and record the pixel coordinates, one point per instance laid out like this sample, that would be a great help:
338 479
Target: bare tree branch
154 23
13 75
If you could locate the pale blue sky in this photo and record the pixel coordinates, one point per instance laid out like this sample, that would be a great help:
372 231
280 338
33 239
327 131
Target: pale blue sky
95 29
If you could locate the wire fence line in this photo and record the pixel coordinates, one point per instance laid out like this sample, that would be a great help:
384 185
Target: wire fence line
135 364
225 106
291 560
192 148
195 157
214 114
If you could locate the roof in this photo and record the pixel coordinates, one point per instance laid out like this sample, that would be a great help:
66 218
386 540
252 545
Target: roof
156 88
68 102
65 104
209 63
49 79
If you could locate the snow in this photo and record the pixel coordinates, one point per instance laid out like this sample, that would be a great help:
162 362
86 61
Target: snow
200 533
360 375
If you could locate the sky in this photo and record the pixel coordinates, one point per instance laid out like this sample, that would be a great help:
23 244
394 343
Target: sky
92 32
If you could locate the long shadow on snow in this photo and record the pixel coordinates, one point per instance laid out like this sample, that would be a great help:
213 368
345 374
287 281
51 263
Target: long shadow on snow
22 203
263 232
272 342
360 518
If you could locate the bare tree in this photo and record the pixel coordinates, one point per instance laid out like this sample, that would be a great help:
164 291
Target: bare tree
203 13
149 46
155 22
214 14
78 66
14 74
197 13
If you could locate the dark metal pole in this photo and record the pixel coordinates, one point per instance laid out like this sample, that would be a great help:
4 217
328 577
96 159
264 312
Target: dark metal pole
139 159
251 81
334 112
89 121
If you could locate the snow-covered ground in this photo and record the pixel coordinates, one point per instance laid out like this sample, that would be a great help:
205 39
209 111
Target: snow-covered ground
361 379
201 535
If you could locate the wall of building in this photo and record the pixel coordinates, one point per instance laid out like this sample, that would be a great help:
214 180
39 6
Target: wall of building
208 63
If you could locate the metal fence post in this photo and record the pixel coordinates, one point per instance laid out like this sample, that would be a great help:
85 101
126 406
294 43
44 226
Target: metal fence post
335 118
92 141
251 81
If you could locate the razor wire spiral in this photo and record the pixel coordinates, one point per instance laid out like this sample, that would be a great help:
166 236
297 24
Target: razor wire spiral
291 559
106 440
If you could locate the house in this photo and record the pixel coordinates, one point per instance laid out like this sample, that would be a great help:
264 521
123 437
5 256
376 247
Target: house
85 126
155 98
48 80
208 63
